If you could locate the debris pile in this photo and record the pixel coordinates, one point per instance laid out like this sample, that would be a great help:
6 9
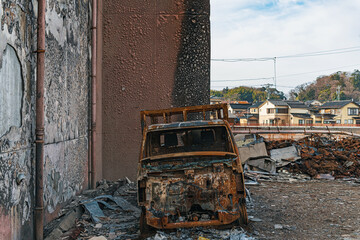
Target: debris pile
110 212
323 156
202 234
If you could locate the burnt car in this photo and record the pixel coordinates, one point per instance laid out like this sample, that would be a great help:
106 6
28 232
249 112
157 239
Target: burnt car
189 172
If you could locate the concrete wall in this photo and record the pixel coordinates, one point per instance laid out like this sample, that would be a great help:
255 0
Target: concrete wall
66 113
156 54
17 27
67 79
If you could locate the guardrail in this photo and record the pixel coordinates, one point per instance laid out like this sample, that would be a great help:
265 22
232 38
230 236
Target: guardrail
307 130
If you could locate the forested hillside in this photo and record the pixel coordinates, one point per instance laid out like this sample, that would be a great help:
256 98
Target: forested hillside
247 94
324 88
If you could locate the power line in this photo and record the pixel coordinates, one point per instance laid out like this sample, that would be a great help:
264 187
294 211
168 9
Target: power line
256 85
282 76
243 79
295 74
318 54
309 54
243 59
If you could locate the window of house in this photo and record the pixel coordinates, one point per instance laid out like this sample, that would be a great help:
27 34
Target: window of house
271 121
309 121
317 121
266 121
281 110
338 121
353 111
345 121
301 121
351 121
271 110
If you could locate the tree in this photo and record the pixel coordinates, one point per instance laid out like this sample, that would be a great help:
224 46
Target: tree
355 78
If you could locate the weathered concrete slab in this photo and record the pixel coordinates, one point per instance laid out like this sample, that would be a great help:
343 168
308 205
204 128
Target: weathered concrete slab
284 156
251 151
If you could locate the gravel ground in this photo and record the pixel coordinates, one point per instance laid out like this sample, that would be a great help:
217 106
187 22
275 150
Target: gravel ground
315 209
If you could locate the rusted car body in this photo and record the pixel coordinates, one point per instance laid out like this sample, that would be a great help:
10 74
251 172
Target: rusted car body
189 172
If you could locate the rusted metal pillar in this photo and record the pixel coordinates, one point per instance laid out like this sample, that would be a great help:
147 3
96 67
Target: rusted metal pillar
93 93
39 131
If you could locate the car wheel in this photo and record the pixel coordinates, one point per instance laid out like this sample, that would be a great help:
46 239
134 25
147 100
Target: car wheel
244 215
144 227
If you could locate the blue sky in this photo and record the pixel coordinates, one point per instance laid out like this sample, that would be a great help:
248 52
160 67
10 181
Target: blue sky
266 28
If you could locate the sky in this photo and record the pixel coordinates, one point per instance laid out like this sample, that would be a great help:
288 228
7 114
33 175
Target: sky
243 29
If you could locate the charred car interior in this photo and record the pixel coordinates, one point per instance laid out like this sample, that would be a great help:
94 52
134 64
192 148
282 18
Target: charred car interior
189 171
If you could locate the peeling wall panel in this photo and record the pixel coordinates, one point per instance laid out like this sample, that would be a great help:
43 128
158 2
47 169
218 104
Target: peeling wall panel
66 95
17 71
67 77
11 92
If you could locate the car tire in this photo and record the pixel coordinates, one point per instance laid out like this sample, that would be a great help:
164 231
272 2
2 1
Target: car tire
243 219
244 215
144 227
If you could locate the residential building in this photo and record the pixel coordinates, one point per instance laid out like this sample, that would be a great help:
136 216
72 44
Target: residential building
251 117
274 112
311 103
344 112
216 100
299 113
254 108
238 109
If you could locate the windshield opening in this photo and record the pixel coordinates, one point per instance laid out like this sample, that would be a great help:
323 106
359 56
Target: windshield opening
187 140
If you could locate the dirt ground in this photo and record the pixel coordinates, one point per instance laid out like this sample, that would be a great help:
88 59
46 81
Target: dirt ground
315 209
282 207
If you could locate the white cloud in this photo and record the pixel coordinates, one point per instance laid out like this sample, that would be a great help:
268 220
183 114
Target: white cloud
243 29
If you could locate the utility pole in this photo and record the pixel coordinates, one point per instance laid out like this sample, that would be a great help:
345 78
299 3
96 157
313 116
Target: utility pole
338 92
275 72
267 90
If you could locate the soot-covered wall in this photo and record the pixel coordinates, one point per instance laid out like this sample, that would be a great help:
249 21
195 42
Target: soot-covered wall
156 54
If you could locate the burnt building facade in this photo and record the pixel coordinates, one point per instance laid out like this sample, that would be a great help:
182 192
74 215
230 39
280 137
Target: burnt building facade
150 54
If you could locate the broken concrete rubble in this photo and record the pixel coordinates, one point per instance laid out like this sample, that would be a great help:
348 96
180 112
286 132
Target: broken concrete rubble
283 156
251 151
263 163
243 140
255 157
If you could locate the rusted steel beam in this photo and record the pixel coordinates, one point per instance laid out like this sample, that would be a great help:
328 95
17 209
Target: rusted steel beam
39 131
